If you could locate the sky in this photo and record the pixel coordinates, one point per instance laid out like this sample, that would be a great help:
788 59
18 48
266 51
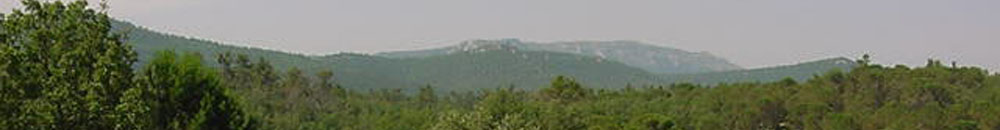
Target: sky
750 33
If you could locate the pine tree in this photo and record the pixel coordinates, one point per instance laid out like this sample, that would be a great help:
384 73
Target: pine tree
565 89
183 94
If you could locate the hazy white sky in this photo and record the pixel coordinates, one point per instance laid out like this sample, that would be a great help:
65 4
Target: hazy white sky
751 33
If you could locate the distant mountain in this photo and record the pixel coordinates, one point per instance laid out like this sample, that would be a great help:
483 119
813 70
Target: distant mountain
799 72
655 59
466 70
491 68
479 64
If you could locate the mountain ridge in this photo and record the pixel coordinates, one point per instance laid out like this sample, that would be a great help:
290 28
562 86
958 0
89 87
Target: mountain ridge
656 59
476 64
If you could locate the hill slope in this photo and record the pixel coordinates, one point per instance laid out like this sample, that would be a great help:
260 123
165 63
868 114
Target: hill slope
651 58
799 72
146 42
473 65
492 67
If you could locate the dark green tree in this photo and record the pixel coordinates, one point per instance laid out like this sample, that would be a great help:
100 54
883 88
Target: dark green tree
61 67
565 89
426 95
183 94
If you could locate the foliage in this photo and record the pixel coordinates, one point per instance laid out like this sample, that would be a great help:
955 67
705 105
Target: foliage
183 94
869 97
61 67
565 89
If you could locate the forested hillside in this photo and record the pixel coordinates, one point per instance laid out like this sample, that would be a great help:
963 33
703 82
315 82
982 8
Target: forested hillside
147 42
798 72
522 69
655 59
868 97
62 66
479 64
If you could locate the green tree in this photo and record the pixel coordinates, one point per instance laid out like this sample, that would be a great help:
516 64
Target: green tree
241 73
426 95
503 109
61 67
565 89
650 122
183 94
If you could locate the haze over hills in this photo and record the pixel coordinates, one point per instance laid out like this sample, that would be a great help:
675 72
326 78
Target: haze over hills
146 42
651 58
478 64
798 72
67 65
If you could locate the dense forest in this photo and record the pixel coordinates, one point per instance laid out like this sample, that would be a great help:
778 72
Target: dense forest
61 67
871 96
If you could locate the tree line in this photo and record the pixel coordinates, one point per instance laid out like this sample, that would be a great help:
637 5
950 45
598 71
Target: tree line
870 96
61 67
